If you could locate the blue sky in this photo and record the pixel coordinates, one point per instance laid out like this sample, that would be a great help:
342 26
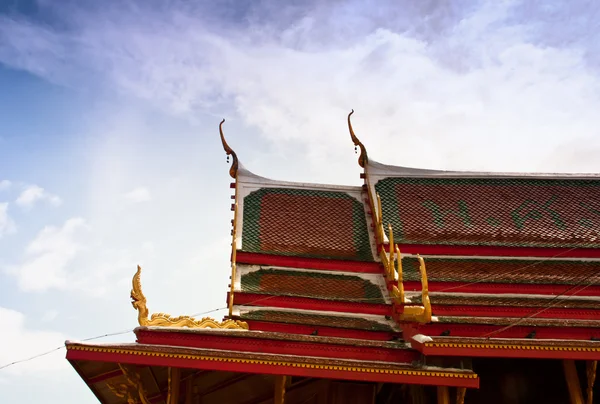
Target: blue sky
109 149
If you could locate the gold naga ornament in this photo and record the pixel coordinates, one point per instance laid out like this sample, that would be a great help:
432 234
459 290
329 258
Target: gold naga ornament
393 273
138 301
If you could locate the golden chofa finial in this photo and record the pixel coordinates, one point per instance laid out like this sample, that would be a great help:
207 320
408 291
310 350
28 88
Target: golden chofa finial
230 152
362 159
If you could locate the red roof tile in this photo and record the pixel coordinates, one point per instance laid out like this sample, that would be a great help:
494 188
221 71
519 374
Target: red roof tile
493 211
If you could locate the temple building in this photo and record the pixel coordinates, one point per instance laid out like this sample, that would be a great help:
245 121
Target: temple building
415 286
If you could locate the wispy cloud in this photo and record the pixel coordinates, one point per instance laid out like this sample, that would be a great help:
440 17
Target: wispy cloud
5 184
138 195
48 257
7 225
33 194
429 82
20 342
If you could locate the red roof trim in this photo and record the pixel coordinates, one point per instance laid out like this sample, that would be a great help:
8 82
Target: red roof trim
265 368
304 329
430 249
272 346
492 288
308 263
305 303
501 352
518 331
515 311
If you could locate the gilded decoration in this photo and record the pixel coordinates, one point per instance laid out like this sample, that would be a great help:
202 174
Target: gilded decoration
305 365
233 173
362 159
234 164
138 300
132 391
393 273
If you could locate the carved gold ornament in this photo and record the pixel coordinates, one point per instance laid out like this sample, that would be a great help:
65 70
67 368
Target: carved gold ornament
133 391
362 158
229 151
138 300
393 273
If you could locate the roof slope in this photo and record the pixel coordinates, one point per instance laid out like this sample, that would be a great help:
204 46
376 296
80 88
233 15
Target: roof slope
305 220
485 209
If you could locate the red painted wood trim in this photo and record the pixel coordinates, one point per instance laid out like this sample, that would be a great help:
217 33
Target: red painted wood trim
281 347
437 249
516 311
105 376
507 353
482 330
518 288
256 368
308 263
306 303
303 329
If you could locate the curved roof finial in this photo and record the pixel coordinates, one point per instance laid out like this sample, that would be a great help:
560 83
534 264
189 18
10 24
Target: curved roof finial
362 159
230 152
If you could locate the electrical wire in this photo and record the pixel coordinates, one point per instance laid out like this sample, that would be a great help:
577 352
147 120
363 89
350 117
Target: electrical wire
496 276
553 302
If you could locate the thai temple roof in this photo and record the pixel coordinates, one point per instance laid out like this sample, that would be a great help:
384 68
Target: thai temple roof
409 264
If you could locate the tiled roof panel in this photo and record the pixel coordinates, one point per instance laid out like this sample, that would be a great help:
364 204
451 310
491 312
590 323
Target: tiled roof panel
289 317
504 301
562 272
305 222
311 284
540 322
511 212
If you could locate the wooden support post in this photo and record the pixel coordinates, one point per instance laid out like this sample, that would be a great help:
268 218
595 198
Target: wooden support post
443 395
174 379
591 367
280 385
573 382
189 385
460 395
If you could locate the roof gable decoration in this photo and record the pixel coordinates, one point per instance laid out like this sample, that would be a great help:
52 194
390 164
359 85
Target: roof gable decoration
165 320
393 273
233 172
229 151
363 159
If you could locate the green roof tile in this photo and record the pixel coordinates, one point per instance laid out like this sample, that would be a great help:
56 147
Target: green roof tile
493 211
307 223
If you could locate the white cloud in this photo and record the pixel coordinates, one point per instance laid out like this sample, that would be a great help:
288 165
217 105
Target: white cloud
475 78
5 184
48 257
7 225
20 342
138 195
33 194
49 316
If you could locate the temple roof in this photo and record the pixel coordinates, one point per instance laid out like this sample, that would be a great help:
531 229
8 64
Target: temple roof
494 264
213 362
488 209
305 220
504 270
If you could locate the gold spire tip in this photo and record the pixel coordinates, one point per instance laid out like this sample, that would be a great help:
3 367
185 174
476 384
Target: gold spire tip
362 159
229 151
